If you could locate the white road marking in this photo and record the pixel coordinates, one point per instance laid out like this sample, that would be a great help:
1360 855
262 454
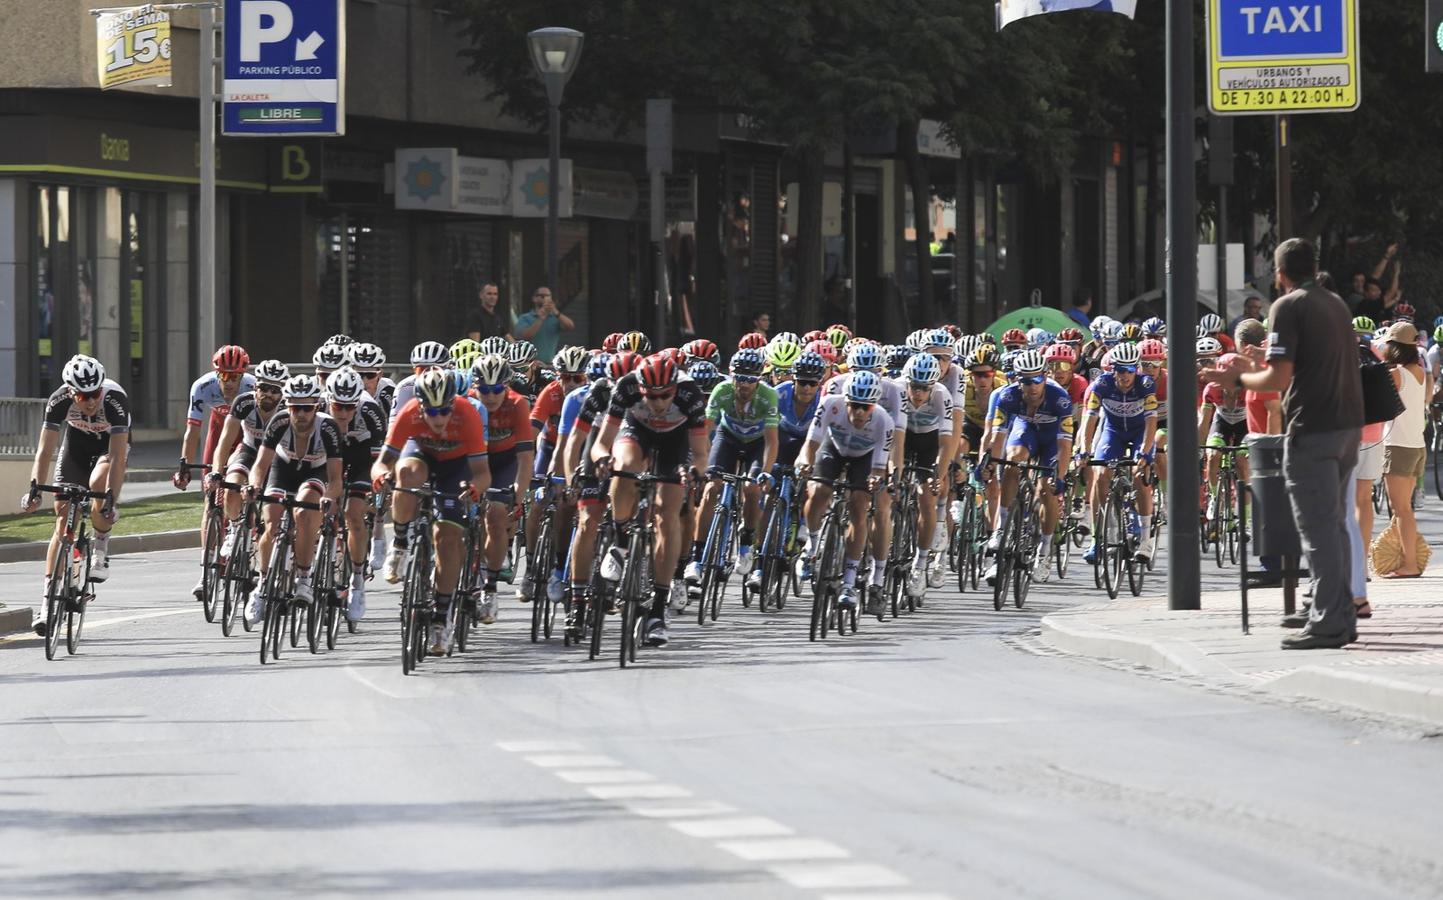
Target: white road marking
647 791
571 761
539 746
773 850
890 895
91 625
602 776
680 810
750 826
818 876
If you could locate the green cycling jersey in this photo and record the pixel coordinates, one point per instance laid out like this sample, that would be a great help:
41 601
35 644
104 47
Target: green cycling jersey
743 422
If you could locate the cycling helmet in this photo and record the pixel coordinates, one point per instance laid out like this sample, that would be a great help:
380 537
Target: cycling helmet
1404 312
1437 321
365 357
1364 325
922 369
230 358
705 374
748 362
622 363
612 342
985 356
864 387
464 358
83 374
1438 334
461 378
986 337
428 353
1098 325
897 356
271 371
1209 346
1153 350
1155 327
816 334
345 385
937 339
1070 336
864 356
1212 323
752 340
329 357
825 350
1007 360
490 369
964 345
1112 332
838 335
495 345
1028 363
301 388
1014 336
1126 355
1037 338
570 360
785 337
596 369
700 349
436 389
522 354
811 366
782 355
1062 352
657 373
1132 332
464 348
340 340
634 341
916 340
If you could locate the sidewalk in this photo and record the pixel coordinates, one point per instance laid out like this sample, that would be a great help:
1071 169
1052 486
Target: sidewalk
1395 668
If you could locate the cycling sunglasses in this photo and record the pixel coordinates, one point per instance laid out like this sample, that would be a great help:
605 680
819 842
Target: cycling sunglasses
369 375
436 412
86 395
1119 367
578 378
659 395
490 388
859 406
746 379
229 376
920 386
274 389
301 408
1033 379
807 382
978 373
1061 364
343 407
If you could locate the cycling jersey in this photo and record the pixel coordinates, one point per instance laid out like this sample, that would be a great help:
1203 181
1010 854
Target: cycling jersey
246 410
322 445
686 409
531 388
743 422
463 436
1159 384
793 424
546 412
89 432
571 410
972 400
933 415
509 425
891 397
1076 388
386 394
833 427
207 398
1227 410
1124 411
1052 418
367 427
954 380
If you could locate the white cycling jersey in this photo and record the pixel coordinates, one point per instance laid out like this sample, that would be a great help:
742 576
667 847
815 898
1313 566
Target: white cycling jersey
891 397
934 413
832 425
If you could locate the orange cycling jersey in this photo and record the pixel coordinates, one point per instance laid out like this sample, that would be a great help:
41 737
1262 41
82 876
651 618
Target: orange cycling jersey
464 434
508 426
547 410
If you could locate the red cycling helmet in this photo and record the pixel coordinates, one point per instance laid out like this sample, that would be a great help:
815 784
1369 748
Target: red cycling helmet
673 354
611 341
825 349
1014 336
816 334
1404 311
1061 352
1153 350
953 330
622 364
658 373
701 348
230 358
753 340
1070 336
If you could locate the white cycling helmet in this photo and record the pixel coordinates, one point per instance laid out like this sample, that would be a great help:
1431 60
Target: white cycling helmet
365 356
345 386
1209 346
922 369
83 374
1211 323
490 369
330 356
864 387
429 353
1126 354
301 388
271 371
571 360
1028 363
495 345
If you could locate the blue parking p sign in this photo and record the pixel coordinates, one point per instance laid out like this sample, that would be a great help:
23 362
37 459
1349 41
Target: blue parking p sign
284 70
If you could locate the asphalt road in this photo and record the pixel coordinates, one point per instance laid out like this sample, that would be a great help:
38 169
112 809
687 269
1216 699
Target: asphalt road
941 754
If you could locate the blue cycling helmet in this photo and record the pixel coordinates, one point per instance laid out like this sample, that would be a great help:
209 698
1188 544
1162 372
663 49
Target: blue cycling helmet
596 369
706 375
898 355
864 357
811 366
1155 327
922 369
1038 337
864 387
747 361
462 379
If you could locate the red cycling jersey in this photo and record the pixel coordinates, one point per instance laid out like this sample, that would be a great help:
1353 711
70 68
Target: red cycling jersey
464 434
508 426
547 410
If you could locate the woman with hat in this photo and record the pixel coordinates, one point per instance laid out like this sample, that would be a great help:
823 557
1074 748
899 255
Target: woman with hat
1404 451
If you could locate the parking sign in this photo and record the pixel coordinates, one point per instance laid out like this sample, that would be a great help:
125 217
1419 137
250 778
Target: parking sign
285 66
1282 56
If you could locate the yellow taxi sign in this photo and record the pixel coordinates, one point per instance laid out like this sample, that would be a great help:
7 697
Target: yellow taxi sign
1282 56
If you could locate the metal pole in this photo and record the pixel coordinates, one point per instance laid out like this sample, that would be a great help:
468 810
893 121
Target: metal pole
553 202
1222 261
345 272
1183 570
849 235
658 239
1285 179
205 246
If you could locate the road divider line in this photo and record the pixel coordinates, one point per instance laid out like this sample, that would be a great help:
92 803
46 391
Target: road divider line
91 625
539 746
824 876
571 761
645 791
744 827
602 776
776 850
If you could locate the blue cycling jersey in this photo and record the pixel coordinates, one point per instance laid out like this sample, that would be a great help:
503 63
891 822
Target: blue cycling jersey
1052 420
794 425
1125 411
570 409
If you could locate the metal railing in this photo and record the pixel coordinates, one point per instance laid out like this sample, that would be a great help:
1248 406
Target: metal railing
20 419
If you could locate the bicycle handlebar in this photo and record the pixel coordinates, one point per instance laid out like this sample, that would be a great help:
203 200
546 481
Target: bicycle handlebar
69 492
646 477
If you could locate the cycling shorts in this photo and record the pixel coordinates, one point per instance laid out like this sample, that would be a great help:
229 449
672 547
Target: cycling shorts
921 448
445 477
1223 434
503 477
1042 449
242 458
1113 445
356 462
788 448
670 449
972 434
77 461
830 464
289 478
732 456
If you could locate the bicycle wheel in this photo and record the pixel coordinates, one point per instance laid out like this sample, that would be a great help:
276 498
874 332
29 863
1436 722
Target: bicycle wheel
828 566
1028 539
414 589
712 560
57 597
75 615
1136 574
1062 547
1438 458
271 630
770 556
321 587
535 584
210 563
633 586
1113 546
231 585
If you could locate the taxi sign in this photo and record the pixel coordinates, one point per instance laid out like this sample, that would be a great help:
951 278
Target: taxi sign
1282 56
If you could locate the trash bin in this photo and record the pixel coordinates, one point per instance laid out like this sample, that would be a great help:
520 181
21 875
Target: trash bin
1274 532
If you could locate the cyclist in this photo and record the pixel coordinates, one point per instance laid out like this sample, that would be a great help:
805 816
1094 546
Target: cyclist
362 426
1154 366
851 433
299 456
635 342
437 438
93 447
425 355
528 379
570 364
742 417
1014 339
1061 362
1222 421
1035 419
369 361
328 358
241 436
929 411
655 415
1212 325
701 350
781 356
1124 404
211 397
511 445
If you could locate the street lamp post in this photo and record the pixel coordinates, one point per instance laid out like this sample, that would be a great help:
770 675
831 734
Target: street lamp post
554 53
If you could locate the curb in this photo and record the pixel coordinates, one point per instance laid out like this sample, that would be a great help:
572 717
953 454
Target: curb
15 619
1166 656
31 551
1364 690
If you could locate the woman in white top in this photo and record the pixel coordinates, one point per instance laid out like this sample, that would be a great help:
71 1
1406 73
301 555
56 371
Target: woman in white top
1404 452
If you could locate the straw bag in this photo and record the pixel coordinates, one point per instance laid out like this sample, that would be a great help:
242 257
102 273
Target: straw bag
1387 551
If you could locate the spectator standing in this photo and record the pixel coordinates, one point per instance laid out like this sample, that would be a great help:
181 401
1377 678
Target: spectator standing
1313 359
1378 305
1252 311
1081 311
1265 416
489 320
762 324
544 324
1357 290
1404 451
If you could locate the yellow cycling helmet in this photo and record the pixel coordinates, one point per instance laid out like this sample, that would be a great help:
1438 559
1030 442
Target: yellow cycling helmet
783 354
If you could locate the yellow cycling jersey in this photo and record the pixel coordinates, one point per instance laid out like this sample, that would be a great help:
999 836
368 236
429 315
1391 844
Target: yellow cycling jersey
974 407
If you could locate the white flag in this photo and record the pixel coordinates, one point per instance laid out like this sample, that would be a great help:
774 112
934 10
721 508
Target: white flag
1009 11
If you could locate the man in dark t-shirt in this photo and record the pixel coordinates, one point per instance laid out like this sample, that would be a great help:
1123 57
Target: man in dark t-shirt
1313 359
489 319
